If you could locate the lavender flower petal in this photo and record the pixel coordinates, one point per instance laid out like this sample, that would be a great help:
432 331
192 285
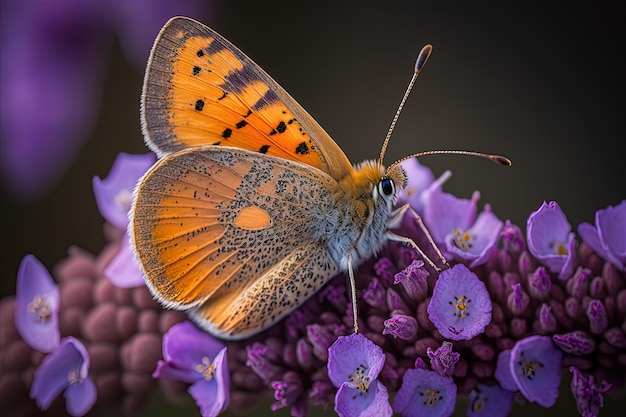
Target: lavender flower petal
114 194
491 401
425 393
65 369
37 306
607 238
550 239
460 301
475 243
123 270
535 364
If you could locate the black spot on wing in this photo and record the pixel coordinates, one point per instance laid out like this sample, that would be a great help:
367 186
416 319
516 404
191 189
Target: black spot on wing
226 133
241 124
302 149
196 70
264 148
199 105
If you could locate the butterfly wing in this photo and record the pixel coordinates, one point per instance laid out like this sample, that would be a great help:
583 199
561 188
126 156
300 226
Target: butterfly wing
224 231
199 89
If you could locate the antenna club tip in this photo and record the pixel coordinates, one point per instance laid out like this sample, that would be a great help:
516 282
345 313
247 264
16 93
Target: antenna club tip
501 160
423 57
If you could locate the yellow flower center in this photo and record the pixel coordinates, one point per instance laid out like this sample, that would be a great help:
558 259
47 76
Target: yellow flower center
529 368
123 199
73 376
431 397
463 240
40 308
460 306
206 368
561 249
359 379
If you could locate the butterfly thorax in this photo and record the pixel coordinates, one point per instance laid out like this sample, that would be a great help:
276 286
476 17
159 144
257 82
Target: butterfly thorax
362 214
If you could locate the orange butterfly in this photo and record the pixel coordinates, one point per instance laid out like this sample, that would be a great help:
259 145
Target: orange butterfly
252 207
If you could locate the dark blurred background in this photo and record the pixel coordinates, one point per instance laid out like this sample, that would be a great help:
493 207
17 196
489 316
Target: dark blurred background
543 86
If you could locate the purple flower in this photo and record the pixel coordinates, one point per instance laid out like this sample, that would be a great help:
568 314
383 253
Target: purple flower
443 359
194 357
37 306
535 365
608 237
413 280
550 239
288 392
489 401
65 369
419 178
445 213
425 393
354 363
402 326
475 243
587 393
114 194
460 307
124 270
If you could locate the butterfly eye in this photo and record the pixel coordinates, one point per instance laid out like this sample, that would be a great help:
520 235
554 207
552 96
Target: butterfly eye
386 187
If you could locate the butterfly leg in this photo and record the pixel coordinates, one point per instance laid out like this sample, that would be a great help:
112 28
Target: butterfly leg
397 218
353 294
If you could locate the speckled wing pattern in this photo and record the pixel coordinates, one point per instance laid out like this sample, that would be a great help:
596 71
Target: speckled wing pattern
200 89
228 235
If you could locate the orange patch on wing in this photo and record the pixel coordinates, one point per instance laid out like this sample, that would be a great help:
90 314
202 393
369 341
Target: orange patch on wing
252 218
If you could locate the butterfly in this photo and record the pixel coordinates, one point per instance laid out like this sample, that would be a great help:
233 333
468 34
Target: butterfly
251 207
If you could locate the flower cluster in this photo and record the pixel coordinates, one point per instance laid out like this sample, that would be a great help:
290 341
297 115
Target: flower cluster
498 326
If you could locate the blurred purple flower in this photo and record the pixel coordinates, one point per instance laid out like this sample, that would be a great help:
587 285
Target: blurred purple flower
425 393
460 307
194 357
491 401
65 369
354 363
124 270
608 237
550 239
114 194
37 306
535 364
54 58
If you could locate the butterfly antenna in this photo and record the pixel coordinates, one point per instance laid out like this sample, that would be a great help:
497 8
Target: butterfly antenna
498 159
419 64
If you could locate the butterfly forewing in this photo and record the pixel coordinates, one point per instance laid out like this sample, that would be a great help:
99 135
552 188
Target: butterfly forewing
228 227
200 89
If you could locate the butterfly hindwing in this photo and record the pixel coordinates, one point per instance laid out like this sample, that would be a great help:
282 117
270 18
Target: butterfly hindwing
212 222
238 311
200 90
